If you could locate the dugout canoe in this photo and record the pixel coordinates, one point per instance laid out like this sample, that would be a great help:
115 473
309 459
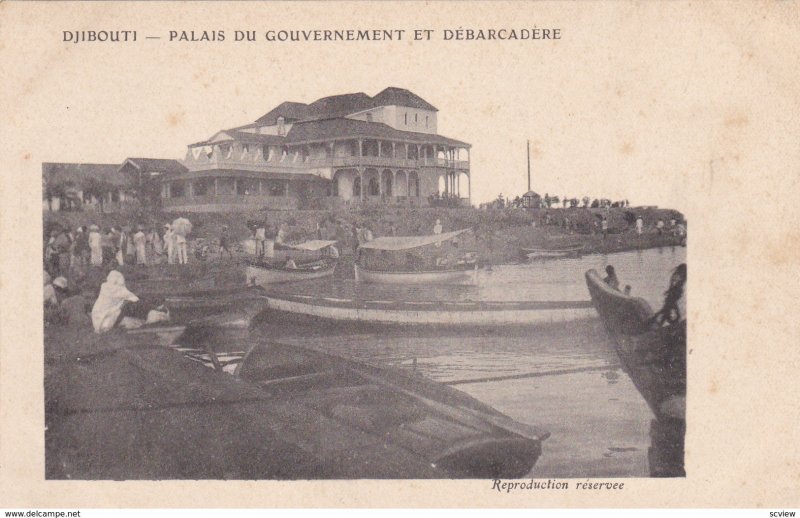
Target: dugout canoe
434 313
654 358
450 430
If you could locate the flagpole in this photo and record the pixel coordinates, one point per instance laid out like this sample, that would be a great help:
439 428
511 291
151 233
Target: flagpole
529 166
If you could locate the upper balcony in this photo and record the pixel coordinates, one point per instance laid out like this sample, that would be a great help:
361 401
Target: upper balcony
296 163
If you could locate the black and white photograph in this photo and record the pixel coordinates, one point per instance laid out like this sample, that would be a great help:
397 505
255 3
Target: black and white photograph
402 242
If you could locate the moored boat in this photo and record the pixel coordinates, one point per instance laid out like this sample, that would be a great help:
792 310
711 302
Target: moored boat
463 273
654 357
436 313
455 433
261 273
398 260
552 252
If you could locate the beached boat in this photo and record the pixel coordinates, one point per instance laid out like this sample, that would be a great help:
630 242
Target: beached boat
438 270
437 313
261 273
452 431
552 252
654 357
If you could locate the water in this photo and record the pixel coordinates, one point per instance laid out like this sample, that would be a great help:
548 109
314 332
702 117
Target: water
599 423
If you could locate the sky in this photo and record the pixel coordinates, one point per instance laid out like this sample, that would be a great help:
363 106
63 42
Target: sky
611 109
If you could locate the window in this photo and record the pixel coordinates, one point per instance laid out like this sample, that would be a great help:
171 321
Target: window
201 186
178 189
274 188
374 187
406 119
225 186
246 186
357 186
426 121
416 118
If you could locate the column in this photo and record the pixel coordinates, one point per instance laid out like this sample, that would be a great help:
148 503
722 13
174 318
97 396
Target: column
216 189
379 149
360 180
286 189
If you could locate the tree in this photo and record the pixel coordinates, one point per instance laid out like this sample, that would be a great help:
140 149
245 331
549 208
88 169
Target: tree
98 189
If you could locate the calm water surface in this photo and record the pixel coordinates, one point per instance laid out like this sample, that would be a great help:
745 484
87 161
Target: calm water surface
599 423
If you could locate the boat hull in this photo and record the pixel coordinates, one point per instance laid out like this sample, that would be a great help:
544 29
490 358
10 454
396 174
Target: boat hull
465 276
456 314
545 253
655 360
260 276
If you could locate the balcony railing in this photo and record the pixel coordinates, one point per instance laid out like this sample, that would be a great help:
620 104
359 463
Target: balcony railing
291 164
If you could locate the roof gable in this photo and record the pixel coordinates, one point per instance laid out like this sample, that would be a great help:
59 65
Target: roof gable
394 96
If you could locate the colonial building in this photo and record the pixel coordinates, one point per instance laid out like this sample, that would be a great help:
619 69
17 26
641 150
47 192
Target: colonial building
341 150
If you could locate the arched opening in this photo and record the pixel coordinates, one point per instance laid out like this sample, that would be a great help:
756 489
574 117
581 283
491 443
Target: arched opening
413 184
374 188
356 187
401 184
386 179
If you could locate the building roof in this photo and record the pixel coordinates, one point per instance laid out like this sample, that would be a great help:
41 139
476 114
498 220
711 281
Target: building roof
78 174
326 129
290 111
394 96
339 105
155 165
246 137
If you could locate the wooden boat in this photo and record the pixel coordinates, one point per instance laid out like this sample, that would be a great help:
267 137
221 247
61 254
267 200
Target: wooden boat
552 252
452 431
437 313
655 359
264 272
463 271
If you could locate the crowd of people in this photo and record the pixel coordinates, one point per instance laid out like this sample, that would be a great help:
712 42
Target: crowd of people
86 246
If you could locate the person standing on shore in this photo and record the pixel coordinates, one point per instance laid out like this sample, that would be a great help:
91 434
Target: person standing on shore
122 246
82 249
169 243
260 237
639 225
224 242
95 246
180 245
140 244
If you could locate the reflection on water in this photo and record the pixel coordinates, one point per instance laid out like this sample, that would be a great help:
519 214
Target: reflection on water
599 423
